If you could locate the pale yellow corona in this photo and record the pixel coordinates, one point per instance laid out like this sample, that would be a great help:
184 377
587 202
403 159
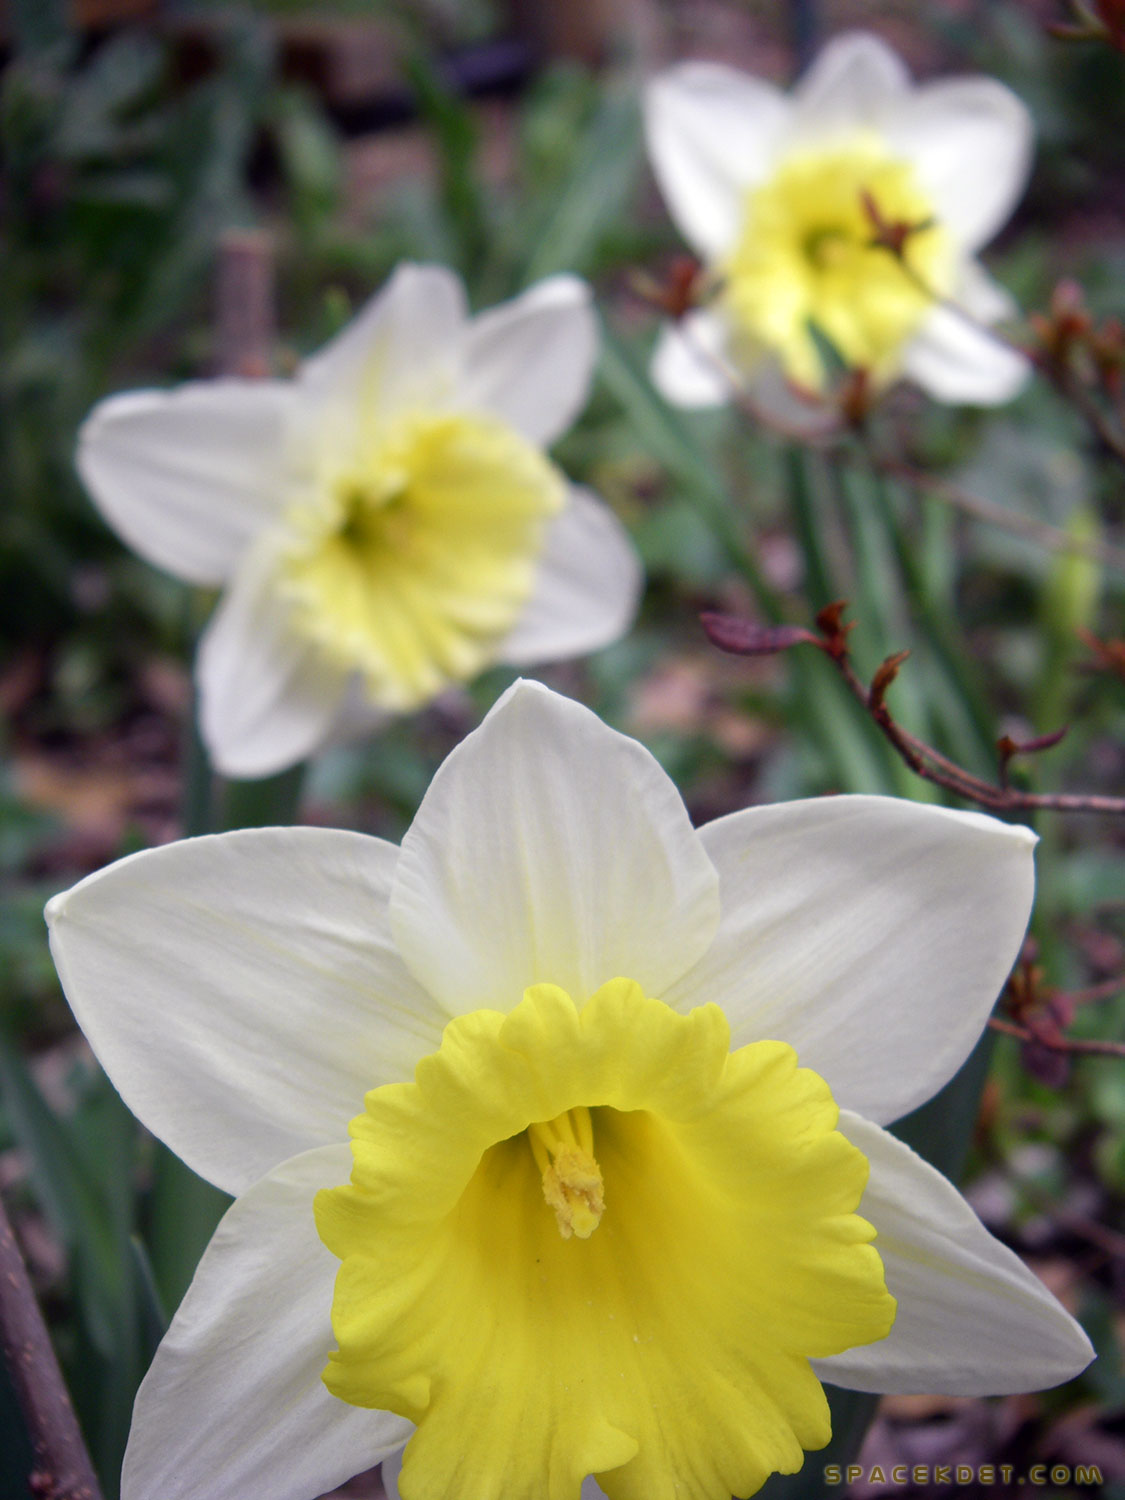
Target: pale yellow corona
807 257
594 1240
409 564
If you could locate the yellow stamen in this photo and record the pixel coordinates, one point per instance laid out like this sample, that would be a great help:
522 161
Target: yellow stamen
572 1180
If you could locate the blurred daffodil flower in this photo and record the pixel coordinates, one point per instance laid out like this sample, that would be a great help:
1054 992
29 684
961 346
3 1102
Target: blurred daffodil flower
848 212
383 525
619 1195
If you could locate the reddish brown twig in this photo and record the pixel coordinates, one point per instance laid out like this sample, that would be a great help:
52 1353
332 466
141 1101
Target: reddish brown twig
1074 1045
1109 656
990 514
892 235
244 304
1071 389
684 286
62 1466
1083 361
1094 21
744 638
1039 1015
1007 748
1093 992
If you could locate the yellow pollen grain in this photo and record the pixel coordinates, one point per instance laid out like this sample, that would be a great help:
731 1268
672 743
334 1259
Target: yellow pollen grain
572 1180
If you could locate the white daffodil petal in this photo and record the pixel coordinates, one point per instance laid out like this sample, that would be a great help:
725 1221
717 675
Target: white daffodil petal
233 1404
871 934
688 362
955 360
400 350
586 588
970 140
531 360
981 297
972 1320
855 81
242 990
188 477
712 133
267 696
549 848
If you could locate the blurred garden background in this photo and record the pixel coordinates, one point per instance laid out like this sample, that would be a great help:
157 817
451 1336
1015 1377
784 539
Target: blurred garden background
152 151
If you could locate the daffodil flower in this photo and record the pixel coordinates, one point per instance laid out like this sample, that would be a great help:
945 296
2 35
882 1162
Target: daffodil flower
618 1196
384 525
797 205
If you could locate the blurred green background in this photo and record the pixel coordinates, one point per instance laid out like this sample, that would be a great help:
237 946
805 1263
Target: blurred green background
504 139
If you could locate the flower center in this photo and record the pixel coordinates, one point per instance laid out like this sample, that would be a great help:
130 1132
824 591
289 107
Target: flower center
563 1149
419 550
808 258
669 1352
375 515
826 246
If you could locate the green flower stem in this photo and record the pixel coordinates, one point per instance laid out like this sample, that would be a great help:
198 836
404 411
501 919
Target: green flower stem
663 432
197 797
270 803
941 1130
881 614
854 755
184 1211
821 585
971 729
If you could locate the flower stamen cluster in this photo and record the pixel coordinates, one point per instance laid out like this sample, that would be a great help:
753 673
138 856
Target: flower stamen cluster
563 1149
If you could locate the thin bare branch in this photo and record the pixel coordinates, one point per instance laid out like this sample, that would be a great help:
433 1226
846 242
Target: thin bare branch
990 514
920 757
244 304
62 1466
1073 1045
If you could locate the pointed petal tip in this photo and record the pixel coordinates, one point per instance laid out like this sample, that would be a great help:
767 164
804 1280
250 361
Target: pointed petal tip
882 66
524 687
1082 1354
567 287
527 692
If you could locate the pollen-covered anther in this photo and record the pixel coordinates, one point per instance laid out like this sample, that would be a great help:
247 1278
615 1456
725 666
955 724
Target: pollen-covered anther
572 1179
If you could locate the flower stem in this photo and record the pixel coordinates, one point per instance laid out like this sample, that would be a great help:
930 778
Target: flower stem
271 802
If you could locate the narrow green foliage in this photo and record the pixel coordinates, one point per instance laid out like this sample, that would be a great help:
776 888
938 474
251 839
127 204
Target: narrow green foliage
84 1174
566 230
456 138
666 435
183 1213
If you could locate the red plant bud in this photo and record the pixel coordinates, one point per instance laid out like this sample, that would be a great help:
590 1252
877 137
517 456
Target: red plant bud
746 638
